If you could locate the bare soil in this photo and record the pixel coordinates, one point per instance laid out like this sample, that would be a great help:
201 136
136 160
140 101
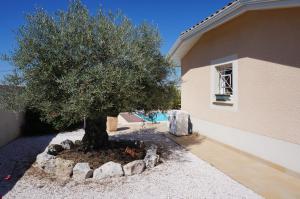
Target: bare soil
119 152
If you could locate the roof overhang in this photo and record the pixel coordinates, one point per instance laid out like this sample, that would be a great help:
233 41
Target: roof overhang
188 39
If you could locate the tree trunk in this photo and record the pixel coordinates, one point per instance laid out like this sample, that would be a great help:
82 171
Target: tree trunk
95 136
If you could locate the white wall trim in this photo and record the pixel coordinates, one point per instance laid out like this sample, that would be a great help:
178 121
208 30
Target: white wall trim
280 152
232 59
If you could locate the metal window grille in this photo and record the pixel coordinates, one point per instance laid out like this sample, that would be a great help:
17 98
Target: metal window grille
225 80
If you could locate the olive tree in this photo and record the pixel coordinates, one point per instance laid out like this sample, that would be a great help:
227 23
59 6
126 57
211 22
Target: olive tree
11 93
76 65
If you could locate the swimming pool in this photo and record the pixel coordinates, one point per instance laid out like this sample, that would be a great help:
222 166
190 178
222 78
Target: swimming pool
158 117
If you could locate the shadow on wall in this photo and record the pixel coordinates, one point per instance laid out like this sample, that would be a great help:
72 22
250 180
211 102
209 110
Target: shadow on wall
190 125
13 125
32 124
27 123
274 39
17 156
10 124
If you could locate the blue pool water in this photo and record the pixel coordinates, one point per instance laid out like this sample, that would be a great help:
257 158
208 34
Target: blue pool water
158 117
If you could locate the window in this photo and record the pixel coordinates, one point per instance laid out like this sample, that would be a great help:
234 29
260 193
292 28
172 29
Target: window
224 83
224 79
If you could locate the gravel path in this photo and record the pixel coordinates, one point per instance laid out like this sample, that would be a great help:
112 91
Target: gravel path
180 175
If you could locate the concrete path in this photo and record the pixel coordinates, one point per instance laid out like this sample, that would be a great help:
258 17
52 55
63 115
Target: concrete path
263 178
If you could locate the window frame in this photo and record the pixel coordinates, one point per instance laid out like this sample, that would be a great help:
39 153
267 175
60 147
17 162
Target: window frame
221 70
232 104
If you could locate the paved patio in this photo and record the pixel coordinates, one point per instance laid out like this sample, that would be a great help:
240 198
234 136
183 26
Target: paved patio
264 178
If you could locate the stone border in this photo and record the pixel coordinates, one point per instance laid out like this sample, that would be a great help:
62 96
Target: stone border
66 169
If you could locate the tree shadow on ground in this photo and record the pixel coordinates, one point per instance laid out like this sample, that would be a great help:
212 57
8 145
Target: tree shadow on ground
18 156
168 147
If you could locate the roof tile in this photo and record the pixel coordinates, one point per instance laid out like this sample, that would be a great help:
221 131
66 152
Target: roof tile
207 18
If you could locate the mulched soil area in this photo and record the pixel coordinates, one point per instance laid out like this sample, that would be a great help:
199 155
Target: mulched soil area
116 152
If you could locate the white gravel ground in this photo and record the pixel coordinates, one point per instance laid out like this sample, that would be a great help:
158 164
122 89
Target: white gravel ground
180 175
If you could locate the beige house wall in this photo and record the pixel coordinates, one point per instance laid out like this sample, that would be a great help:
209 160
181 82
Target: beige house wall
10 126
267 44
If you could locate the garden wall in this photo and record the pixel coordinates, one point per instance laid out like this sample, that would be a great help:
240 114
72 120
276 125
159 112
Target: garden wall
10 126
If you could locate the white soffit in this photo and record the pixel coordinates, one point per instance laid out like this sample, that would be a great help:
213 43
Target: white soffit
188 38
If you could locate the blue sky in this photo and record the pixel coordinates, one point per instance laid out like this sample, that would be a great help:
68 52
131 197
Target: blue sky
170 16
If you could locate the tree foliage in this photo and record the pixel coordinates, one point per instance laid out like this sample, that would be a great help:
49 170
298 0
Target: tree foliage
11 93
176 98
77 65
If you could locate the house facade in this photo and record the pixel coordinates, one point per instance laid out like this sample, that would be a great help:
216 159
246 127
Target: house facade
241 78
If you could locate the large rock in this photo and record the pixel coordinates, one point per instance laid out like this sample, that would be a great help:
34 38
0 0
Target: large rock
46 162
43 158
109 169
67 144
135 167
179 123
82 171
63 168
56 166
54 149
151 158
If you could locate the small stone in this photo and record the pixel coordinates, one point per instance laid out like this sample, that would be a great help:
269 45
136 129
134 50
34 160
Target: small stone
82 171
64 168
134 167
40 186
151 159
78 142
54 149
67 144
141 144
152 149
109 169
